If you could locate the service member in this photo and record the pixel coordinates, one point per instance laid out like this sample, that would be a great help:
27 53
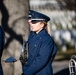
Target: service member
2 38
41 47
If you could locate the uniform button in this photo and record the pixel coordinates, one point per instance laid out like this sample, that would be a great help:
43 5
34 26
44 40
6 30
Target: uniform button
35 45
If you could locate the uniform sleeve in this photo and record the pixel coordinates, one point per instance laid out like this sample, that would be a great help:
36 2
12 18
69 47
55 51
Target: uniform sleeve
42 59
2 40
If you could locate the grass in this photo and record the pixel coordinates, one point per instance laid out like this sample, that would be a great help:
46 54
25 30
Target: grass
64 55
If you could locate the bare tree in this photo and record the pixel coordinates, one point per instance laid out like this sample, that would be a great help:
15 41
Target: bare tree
14 21
70 4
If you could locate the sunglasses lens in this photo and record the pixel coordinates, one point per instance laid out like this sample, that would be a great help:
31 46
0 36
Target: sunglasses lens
34 21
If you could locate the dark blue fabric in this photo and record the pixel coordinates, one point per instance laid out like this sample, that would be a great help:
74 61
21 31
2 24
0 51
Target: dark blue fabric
10 59
42 50
2 38
1 70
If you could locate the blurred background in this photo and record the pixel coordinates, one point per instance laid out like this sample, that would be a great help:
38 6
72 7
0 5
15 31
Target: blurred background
62 27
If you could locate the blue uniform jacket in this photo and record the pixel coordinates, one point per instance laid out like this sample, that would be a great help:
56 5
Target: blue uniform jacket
41 52
1 47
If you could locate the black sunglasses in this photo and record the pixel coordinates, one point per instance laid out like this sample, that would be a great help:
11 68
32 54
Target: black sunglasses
34 21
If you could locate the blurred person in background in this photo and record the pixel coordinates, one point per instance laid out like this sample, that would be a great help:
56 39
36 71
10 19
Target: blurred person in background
41 47
2 38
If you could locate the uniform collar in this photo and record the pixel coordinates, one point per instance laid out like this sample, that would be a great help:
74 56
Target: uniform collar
41 33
